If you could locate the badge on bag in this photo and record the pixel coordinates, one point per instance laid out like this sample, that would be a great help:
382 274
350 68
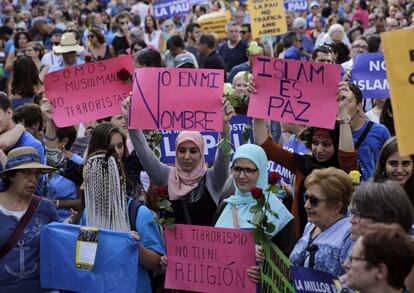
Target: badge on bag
86 247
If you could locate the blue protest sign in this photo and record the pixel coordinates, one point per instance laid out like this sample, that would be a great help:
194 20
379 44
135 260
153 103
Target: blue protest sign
237 126
294 146
115 268
370 75
296 5
307 280
164 9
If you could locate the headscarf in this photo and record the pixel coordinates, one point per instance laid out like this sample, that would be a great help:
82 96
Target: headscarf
307 163
181 182
243 201
106 202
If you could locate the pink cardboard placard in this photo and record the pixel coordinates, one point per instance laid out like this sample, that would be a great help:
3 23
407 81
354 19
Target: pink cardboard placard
177 99
88 92
209 259
295 91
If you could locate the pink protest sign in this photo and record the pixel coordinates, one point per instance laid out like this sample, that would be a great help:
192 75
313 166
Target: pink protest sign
208 259
177 99
295 91
88 92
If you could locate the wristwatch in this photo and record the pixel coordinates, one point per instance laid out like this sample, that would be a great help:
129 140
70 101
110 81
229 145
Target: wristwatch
347 120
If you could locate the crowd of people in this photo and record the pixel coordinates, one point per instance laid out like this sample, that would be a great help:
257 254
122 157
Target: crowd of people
93 173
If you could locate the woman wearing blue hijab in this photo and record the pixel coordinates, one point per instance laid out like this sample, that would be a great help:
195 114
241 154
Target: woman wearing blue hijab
250 170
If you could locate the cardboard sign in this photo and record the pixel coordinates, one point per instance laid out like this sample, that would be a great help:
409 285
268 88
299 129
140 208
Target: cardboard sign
399 57
237 126
215 22
307 280
164 9
267 17
116 255
296 5
177 99
295 91
88 92
370 75
275 271
209 259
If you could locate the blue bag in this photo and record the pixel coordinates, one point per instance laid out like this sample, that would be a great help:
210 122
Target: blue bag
115 268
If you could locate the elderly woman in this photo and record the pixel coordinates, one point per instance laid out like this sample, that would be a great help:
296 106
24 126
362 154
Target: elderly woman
249 168
22 216
381 260
394 167
326 241
193 188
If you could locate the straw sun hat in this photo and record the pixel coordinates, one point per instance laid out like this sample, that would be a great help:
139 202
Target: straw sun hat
68 44
24 158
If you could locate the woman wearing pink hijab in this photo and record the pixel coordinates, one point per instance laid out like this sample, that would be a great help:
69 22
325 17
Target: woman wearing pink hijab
193 188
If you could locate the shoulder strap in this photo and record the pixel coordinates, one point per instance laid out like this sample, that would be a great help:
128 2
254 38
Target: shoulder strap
363 135
133 213
34 203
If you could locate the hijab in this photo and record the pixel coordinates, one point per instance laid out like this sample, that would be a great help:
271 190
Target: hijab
181 182
307 163
243 201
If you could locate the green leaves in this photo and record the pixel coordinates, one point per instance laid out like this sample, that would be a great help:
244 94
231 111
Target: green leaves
225 146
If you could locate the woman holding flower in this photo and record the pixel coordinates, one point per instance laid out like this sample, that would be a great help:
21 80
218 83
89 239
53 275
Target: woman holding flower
251 183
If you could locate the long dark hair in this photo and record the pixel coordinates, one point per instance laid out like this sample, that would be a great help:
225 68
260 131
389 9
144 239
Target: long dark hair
25 77
154 21
388 149
101 139
386 118
16 38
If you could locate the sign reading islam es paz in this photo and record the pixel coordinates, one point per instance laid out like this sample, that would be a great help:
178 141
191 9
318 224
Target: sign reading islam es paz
209 259
370 75
88 92
400 73
177 99
164 9
267 17
295 91
215 22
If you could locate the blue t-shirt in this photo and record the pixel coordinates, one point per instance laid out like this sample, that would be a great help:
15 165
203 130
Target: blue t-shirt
28 140
369 150
19 268
61 188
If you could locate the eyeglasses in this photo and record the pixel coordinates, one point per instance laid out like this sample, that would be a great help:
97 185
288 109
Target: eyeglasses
351 259
359 47
91 37
122 23
313 200
243 32
247 171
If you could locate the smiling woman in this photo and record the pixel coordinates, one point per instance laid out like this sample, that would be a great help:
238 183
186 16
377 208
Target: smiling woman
326 241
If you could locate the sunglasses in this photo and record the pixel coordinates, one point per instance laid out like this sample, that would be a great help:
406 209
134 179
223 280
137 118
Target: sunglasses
313 200
243 32
90 36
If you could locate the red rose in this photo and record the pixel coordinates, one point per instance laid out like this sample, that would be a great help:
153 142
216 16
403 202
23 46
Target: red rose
99 57
273 178
257 193
162 192
88 58
123 74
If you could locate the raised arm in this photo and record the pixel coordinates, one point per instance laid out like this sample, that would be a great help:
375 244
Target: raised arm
157 171
346 142
9 138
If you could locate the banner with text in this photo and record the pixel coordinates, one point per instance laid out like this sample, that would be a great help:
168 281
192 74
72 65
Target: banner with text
267 17
307 280
295 91
209 259
370 75
238 133
177 99
296 5
275 271
164 9
399 57
215 22
90 91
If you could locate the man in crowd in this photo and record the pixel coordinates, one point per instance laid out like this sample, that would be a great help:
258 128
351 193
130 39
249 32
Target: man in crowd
206 44
69 49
